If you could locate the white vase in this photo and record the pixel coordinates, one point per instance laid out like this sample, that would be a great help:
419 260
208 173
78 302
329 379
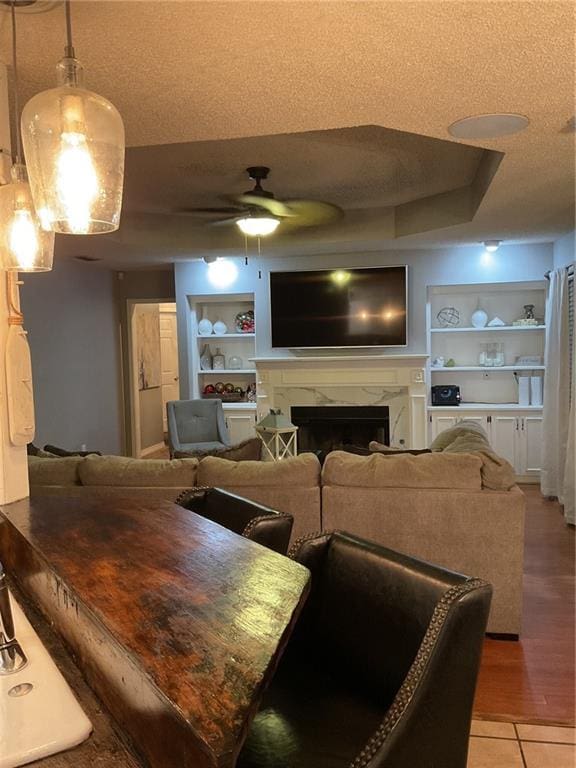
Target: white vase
204 326
219 328
479 318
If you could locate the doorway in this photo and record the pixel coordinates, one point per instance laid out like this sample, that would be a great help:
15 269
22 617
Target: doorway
168 357
154 376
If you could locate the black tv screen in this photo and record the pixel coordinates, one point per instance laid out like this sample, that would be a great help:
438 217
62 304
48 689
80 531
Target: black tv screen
364 307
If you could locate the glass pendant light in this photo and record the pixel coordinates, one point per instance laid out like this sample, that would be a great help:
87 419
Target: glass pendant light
74 147
24 245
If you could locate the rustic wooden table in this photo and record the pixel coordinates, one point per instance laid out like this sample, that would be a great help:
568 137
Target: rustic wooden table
176 623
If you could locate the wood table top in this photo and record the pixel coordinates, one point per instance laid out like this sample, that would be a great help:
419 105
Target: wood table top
182 605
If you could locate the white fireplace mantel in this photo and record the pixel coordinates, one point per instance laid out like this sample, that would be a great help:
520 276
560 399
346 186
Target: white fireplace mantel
398 381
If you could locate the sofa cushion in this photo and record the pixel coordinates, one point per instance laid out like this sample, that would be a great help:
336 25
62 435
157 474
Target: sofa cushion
301 472
54 471
429 470
497 473
464 427
130 473
247 450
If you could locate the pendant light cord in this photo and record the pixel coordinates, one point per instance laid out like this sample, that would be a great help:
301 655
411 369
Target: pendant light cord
16 88
69 50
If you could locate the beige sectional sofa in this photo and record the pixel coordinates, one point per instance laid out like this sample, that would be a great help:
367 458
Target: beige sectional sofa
434 506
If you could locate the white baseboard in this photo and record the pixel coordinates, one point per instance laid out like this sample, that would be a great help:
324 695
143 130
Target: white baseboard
152 449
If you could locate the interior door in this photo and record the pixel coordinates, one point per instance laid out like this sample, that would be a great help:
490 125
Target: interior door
169 357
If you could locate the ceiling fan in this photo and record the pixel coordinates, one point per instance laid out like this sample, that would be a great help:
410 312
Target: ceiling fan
258 213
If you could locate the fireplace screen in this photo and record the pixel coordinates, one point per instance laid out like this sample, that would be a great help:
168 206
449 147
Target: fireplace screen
326 428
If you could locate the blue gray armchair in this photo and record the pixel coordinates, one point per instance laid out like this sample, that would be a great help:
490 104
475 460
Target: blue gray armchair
196 425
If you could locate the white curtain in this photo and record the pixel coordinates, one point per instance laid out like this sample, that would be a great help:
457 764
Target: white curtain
558 439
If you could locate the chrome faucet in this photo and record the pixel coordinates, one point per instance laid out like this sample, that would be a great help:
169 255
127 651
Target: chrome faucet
12 656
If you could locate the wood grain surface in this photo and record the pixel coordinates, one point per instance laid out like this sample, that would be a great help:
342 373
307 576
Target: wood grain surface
533 680
176 623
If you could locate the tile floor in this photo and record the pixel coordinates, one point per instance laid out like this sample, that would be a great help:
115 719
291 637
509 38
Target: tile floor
514 745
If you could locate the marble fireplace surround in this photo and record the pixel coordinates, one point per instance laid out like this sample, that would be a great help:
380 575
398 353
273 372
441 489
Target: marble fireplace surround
398 381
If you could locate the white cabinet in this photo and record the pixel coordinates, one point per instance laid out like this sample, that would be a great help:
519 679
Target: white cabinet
440 423
503 435
531 442
514 435
240 424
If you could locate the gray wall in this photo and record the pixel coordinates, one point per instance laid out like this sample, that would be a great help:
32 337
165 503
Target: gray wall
565 250
426 267
72 323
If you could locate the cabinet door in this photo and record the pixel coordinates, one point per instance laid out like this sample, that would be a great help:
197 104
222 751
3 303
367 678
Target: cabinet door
531 444
504 438
442 422
478 418
240 425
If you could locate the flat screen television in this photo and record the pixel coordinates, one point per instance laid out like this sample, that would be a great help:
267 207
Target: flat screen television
364 307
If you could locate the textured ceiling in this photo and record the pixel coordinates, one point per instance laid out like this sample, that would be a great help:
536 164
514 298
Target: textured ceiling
184 72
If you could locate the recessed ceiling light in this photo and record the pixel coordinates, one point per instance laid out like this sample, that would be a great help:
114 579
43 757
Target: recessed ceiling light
492 245
488 126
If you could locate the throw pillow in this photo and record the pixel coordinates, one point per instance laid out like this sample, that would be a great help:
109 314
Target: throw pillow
497 473
247 450
53 450
464 427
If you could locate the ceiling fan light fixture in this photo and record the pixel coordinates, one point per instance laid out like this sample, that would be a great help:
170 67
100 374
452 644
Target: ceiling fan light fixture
258 226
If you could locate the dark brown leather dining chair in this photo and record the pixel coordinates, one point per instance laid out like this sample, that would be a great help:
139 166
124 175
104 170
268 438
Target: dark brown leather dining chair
381 669
266 526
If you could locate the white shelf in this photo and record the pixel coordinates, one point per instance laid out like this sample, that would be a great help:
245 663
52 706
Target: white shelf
220 371
485 407
490 369
225 336
493 329
239 406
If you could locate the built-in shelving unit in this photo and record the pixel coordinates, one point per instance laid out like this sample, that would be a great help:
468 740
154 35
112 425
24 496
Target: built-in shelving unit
223 371
484 368
226 336
464 407
240 416
491 400
491 329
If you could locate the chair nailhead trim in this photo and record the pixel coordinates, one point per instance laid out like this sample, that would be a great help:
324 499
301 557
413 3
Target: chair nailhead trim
255 520
192 493
298 544
414 676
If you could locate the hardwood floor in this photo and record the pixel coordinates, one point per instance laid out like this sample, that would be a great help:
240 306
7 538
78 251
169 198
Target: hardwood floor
532 680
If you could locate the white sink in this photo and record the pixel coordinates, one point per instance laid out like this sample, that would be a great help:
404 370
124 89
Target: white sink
39 714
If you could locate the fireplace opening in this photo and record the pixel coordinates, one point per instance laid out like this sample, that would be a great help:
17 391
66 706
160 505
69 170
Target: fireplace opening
324 428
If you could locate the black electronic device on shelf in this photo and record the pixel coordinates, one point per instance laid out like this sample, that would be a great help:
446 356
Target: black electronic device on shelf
446 394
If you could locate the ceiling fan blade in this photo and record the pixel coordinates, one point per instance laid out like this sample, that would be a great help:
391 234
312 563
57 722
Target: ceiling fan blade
223 222
312 213
270 204
220 211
